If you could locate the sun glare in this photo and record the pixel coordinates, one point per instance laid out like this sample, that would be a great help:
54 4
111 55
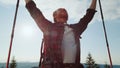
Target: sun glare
28 31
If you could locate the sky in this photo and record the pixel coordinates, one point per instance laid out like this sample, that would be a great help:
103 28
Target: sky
27 36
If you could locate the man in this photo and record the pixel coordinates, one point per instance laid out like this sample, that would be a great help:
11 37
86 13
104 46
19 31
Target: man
61 41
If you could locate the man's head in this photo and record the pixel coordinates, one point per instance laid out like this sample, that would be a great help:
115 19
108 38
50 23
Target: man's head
60 15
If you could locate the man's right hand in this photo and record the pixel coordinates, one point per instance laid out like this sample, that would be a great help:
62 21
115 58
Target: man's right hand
27 1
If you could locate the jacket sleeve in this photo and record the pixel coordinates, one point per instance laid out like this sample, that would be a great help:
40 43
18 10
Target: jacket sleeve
82 24
37 15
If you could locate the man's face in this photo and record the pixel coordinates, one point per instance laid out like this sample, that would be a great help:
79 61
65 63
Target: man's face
60 16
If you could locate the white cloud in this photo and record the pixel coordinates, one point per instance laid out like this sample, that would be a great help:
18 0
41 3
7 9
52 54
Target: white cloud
111 9
75 8
8 2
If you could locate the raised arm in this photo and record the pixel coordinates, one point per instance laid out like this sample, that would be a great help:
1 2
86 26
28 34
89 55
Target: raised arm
37 15
82 24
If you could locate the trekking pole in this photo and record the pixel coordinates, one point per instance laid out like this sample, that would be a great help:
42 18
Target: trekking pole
12 35
111 66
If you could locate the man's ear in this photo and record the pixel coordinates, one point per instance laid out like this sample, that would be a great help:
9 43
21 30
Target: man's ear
54 14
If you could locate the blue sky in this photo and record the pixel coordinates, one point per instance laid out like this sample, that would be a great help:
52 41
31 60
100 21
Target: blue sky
27 38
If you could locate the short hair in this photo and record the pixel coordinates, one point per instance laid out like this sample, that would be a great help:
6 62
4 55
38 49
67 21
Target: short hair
55 12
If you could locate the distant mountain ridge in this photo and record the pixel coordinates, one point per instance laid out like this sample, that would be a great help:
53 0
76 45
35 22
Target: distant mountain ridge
35 64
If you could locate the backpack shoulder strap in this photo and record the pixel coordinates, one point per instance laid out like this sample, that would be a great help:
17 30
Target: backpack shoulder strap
41 52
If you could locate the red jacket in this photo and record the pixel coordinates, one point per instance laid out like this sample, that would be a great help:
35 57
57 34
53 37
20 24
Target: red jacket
53 33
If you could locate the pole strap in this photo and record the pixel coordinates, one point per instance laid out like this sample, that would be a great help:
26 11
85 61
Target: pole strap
41 53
